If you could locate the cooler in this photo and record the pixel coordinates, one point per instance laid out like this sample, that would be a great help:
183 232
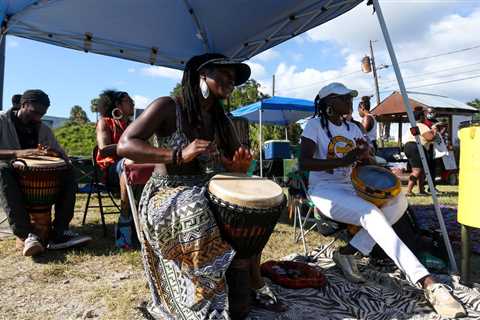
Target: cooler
277 149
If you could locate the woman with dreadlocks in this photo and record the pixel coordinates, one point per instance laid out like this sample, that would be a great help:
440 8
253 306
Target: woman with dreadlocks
184 256
330 147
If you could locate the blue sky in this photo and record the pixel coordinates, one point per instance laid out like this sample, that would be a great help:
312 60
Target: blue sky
301 65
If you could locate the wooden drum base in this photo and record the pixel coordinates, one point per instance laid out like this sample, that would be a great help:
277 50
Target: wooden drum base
238 281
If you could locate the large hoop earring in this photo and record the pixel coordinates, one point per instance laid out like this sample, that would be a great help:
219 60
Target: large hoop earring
117 114
329 111
204 88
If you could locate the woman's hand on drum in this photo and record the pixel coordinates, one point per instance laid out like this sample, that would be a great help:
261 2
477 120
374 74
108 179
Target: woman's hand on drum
25 153
194 149
240 162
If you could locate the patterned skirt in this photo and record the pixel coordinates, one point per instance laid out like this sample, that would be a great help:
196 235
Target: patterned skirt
184 257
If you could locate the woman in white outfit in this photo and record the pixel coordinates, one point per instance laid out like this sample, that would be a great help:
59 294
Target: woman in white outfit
330 147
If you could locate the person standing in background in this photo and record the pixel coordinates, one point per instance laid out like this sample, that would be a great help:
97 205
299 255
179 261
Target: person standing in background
368 121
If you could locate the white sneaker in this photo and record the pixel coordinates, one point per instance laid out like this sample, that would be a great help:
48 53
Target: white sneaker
348 265
443 302
32 246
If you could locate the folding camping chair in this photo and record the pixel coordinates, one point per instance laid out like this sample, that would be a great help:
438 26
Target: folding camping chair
137 175
101 190
298 200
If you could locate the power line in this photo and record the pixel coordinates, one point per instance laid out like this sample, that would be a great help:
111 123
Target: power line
430 73
401 62
434 84
440 54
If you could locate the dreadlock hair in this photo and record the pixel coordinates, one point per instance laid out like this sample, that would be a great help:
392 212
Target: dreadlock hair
107 101
365 100
225 135
321 112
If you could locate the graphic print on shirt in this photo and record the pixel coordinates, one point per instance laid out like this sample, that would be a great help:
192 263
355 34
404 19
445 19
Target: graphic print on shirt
338 147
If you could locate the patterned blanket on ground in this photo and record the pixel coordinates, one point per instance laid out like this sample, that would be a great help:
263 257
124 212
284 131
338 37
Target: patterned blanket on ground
386 295
426 219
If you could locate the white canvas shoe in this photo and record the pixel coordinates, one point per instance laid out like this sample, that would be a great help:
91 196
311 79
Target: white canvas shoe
348 265
443 302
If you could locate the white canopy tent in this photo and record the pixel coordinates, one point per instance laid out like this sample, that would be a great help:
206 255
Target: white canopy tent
167 33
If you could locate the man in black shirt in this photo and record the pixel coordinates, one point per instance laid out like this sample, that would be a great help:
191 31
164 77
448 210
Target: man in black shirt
21 134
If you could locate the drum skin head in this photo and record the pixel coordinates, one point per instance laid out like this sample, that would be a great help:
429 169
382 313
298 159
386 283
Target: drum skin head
245 191
41 162
375 184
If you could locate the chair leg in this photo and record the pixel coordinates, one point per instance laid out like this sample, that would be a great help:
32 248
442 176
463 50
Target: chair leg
304 222
102 214
301 230
114 202
88 202
295 205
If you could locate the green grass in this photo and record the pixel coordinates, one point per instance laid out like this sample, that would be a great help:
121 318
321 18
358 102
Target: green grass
108 282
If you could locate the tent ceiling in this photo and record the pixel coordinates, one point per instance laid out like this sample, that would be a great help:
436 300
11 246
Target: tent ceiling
165 32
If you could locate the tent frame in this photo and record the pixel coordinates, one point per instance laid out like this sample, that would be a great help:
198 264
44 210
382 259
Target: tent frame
260 44
414 129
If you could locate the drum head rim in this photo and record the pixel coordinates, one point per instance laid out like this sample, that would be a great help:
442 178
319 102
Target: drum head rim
247 199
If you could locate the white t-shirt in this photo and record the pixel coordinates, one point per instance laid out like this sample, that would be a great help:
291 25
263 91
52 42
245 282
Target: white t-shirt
337 147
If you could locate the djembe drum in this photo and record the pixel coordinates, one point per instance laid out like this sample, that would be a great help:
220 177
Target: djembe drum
40 179
246 210
375 184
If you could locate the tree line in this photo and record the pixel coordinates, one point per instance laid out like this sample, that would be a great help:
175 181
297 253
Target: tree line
77 135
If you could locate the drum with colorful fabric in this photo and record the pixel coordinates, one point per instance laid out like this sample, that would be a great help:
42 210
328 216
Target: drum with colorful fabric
246 210
375 184
40 181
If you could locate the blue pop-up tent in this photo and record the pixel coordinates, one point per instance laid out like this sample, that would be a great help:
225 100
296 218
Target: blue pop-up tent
276 110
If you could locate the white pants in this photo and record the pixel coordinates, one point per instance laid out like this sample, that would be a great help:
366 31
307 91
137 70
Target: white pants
339 202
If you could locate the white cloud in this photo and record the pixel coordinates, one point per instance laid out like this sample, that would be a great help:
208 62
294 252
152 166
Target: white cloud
131 70
141 102
258 70
154 71
268 55
417 30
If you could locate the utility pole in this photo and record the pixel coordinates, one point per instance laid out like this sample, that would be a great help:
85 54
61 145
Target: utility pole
273 85
374 69
382 126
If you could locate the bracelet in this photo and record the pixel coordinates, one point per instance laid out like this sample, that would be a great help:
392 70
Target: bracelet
179 156
174 156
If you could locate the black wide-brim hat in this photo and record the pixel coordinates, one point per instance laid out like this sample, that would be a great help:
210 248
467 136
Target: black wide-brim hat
242 70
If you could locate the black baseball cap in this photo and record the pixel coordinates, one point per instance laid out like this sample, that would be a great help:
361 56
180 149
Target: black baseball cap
242 70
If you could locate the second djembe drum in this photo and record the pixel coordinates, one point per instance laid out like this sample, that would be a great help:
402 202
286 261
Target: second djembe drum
40 181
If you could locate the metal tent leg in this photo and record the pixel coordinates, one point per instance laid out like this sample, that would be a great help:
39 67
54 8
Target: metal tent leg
411 118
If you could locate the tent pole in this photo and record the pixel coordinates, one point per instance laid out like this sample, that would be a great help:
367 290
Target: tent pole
2 67
411 118
260 140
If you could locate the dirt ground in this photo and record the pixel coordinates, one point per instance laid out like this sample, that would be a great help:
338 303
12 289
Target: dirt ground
101 282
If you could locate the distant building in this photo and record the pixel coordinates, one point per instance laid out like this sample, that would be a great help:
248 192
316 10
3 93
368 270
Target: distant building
54 122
